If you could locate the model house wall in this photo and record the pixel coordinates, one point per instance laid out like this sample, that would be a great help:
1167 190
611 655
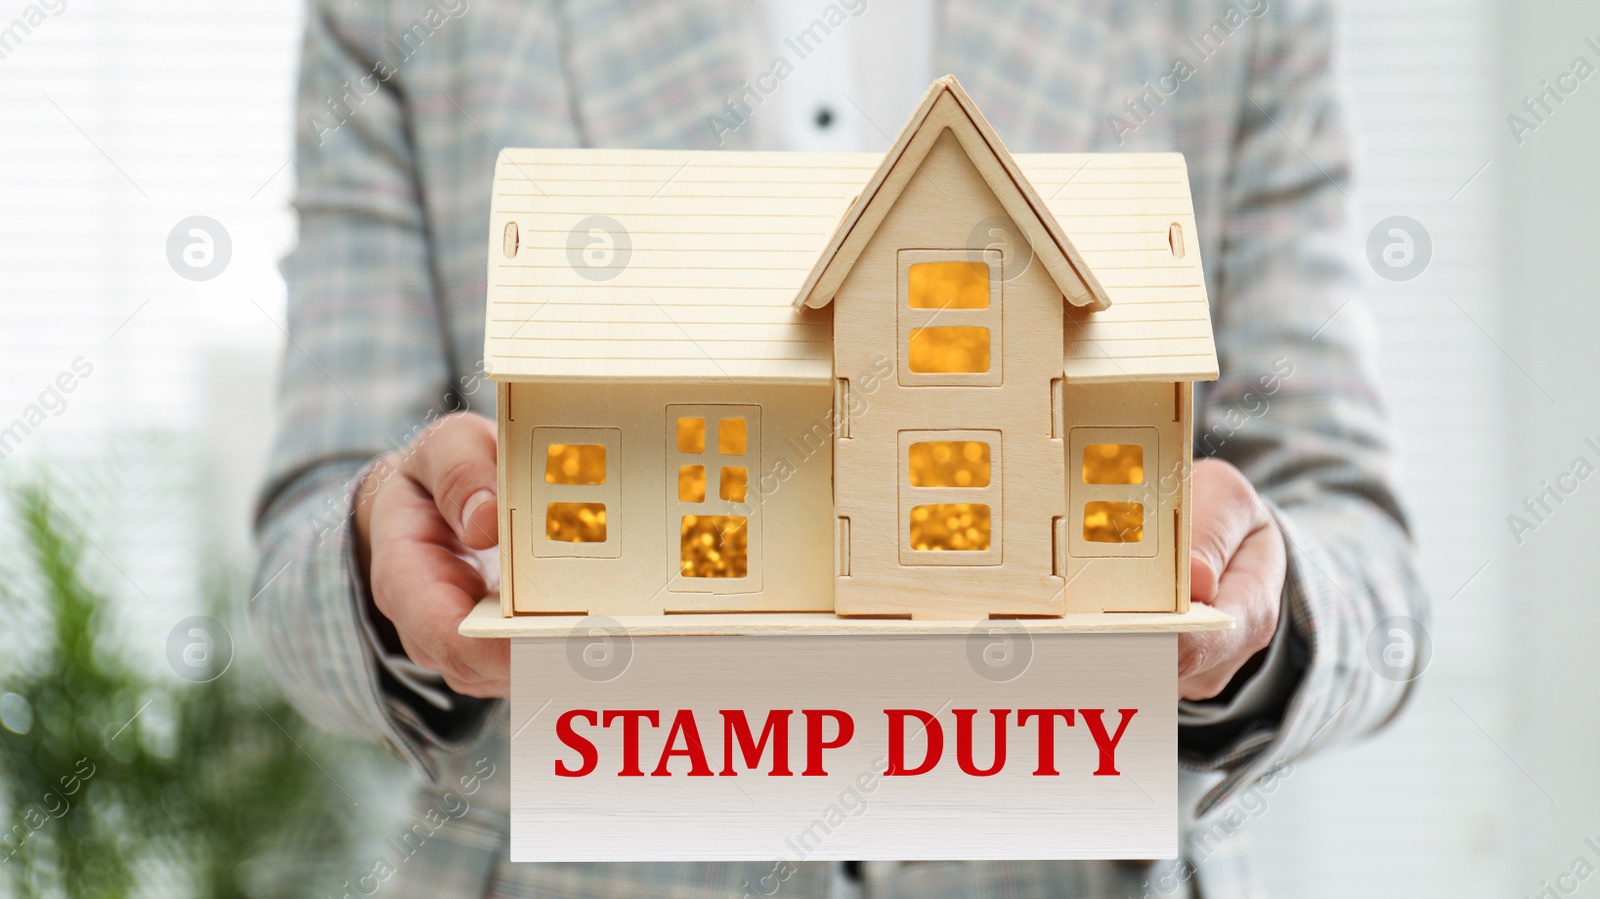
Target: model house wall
778 482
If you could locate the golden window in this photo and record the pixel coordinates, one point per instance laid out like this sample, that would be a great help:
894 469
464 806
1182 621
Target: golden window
715 519
575 463
950 527
1113 463
575 493
692 483
950 497
575 522
1110 522
949 463
958 350
948 285
949 313
1111 494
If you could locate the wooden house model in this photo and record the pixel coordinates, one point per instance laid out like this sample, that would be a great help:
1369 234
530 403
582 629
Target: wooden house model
948 382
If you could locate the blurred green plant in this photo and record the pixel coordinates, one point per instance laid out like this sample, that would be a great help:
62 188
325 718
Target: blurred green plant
209 785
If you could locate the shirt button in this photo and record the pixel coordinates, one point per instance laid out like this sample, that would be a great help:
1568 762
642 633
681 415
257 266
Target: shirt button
824 117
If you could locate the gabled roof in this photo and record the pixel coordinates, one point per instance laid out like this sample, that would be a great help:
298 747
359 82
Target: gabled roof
699 284
947 106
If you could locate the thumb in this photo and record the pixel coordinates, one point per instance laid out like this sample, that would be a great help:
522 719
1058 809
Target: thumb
1225 513
455 462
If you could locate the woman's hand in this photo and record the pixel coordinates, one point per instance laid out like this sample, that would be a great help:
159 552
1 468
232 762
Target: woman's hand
420 515
1237 564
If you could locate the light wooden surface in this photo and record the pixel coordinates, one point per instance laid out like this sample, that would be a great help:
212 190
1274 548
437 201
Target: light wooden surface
851 811
486 621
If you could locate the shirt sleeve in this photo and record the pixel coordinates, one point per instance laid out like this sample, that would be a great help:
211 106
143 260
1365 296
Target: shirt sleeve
366 367
1298 411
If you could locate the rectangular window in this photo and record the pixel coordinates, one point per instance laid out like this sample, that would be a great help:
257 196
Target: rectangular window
949 463
950 527
948 350
1111 493
948 285
1108 522
1113 463
950 497
949 310
714 526
578 489
575 522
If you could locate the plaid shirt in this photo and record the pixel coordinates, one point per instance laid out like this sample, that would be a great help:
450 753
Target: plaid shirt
403 107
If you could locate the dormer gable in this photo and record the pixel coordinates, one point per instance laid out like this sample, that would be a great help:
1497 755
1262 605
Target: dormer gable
947 109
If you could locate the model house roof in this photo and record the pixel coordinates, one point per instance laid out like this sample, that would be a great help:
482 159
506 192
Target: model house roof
946 107
679 265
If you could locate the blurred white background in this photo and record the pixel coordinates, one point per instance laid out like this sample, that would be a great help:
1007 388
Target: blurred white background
120 120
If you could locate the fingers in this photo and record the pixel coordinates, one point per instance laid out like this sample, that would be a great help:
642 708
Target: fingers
1237 564
454 461
1250 592
1226 512
425 584
469 666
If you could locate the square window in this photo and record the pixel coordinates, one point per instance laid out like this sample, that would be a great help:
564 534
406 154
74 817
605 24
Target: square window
731 436
691 435
949 463
713 546
575 522
1113 463
1109 522
735 483
948 285
692 483
958 350
575 463
956 527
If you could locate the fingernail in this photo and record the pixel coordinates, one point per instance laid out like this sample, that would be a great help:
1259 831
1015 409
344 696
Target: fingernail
473 504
